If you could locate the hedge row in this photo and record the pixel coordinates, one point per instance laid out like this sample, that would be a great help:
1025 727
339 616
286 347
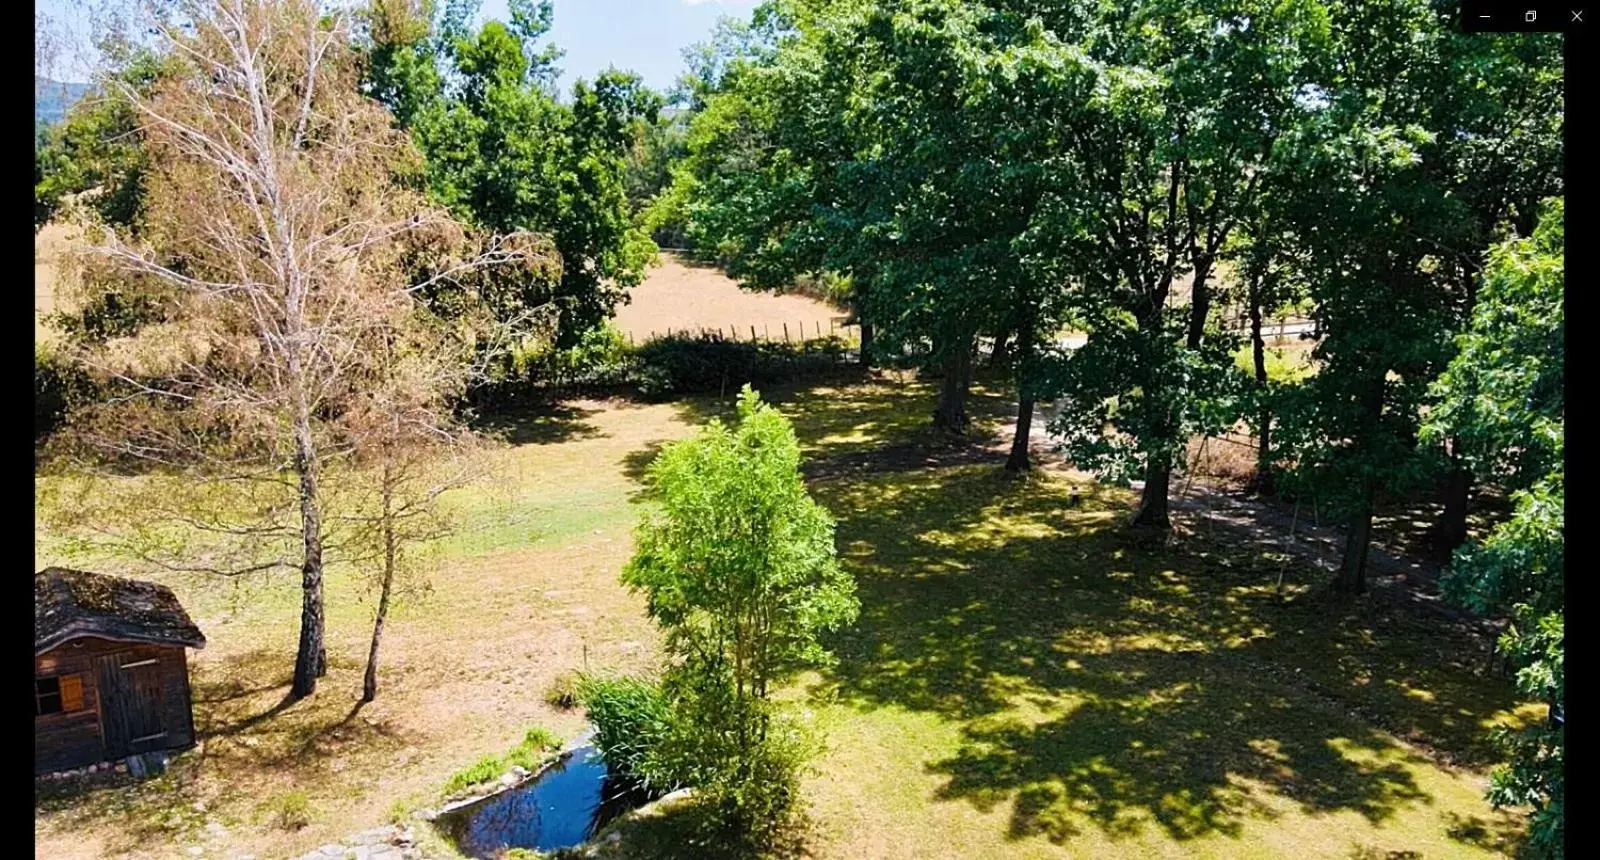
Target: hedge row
666 367
603 363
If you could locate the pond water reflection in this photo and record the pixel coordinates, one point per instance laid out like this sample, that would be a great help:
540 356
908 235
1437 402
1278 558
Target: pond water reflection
563 806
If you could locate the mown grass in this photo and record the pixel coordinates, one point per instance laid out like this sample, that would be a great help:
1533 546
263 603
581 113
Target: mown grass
1025 680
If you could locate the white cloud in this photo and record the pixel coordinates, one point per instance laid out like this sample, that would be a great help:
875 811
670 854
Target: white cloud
720 2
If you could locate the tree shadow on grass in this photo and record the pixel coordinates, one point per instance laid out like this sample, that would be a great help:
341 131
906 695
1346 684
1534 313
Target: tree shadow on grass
636 466
1104 682
255 724
1501 834
539 424
878 423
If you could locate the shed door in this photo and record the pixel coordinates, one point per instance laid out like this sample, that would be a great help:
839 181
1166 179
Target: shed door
131 704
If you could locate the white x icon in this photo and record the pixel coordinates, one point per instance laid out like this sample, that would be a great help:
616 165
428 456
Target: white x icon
1577 16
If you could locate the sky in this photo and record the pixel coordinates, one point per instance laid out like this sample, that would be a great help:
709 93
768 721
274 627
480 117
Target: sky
645 36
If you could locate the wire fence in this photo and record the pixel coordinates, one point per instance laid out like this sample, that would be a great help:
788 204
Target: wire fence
799 332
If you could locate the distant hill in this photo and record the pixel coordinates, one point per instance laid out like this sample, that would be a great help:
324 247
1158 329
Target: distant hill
52 98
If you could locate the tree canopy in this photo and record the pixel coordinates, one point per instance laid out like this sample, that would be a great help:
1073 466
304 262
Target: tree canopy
1503 395
502 152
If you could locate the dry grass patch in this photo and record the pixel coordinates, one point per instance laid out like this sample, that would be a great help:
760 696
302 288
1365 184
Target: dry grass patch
680 296
527 592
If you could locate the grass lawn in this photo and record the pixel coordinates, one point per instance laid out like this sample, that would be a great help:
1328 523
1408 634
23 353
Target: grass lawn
1286 359
1025 681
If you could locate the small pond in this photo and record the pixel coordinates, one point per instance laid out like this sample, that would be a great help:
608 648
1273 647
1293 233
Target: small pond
562 807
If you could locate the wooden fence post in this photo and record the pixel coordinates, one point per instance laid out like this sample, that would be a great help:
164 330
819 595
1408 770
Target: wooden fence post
785 332
752 334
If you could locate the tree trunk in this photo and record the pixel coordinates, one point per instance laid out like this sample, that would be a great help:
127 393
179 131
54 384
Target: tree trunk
1452 528
1152 511
1002 350
1199 303
866 344
369 683
1263 484
311 660
1018 461
951 413
1265 481
1353 568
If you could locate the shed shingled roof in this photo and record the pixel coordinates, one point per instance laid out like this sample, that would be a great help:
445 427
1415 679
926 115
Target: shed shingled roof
68 604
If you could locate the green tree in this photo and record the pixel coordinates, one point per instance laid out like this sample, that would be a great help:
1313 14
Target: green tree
1198 94
1267 260
1504 156
1391 206
739 571
99 149
865 145
766 174
1503 398
708 63
504 153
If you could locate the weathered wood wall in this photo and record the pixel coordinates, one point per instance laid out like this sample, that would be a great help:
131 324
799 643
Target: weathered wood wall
74 739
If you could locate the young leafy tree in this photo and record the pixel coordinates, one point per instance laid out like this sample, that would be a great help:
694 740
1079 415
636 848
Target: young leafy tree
739 571
276 227
409 448
1503 397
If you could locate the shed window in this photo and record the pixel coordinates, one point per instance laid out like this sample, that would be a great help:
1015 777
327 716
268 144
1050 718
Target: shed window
62 694
46 696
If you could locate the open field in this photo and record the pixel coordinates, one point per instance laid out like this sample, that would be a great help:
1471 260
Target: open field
679 296
1024 681
48 245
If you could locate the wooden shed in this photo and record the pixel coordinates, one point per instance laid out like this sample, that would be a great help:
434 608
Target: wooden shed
110 669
